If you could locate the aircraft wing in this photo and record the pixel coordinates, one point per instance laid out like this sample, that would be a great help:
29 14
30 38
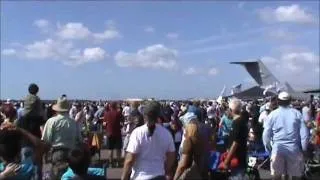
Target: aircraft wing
300 96
312 91
255 92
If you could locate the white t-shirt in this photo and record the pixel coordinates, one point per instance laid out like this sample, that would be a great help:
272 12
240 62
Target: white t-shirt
305 113
150 151
263 116
126 111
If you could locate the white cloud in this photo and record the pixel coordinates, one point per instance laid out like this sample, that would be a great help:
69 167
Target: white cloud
47 49
302 57
58 50
107 34
155 56
213 71
293 62
96 53
61 45
298 68
41 23
297 62
8 52
190 71
293 14
88 55
149 29
172 35
73 30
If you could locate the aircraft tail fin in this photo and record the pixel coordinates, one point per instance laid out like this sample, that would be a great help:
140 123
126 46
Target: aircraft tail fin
289 88
259 72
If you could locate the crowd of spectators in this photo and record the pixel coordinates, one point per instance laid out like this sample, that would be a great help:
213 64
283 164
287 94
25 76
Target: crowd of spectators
159 140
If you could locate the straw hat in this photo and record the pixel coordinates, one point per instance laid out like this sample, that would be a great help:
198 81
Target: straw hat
62 105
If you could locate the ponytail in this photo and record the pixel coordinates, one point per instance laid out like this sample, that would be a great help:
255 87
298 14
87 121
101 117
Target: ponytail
152 112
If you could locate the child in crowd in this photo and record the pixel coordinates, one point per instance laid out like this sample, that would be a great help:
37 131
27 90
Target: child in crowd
79 161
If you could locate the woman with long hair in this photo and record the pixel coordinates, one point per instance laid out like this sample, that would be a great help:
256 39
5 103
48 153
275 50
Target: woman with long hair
150 152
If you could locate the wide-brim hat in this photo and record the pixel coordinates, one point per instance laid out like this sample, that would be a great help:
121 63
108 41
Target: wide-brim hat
62 105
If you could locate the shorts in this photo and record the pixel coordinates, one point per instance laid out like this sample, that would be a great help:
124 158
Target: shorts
291 164
114 143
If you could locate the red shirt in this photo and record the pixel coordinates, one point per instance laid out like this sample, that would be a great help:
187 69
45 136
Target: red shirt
113 119
317 138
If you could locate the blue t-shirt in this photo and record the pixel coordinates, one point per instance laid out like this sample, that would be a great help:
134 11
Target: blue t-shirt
26 171
226 125
91 171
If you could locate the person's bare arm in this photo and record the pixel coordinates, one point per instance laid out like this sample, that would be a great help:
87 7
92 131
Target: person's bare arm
182 166
128 163
40 146
169 163
231 153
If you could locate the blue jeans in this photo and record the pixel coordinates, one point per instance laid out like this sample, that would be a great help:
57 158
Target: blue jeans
238 174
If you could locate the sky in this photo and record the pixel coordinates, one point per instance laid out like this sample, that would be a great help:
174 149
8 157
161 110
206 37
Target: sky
172 50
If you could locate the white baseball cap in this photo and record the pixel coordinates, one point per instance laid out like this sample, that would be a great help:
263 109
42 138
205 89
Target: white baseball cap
284 96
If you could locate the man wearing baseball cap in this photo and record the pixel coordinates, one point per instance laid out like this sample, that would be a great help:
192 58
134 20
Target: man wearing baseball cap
289 135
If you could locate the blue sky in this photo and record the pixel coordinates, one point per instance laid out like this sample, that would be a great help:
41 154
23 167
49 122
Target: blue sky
153 49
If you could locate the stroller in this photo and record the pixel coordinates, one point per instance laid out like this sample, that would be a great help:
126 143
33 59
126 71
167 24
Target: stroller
312 166
258 158
256 161
252 172
214 162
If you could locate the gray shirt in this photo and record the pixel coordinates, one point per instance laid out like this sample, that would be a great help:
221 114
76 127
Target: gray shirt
62 131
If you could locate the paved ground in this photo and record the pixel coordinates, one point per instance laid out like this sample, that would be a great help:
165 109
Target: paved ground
115 173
